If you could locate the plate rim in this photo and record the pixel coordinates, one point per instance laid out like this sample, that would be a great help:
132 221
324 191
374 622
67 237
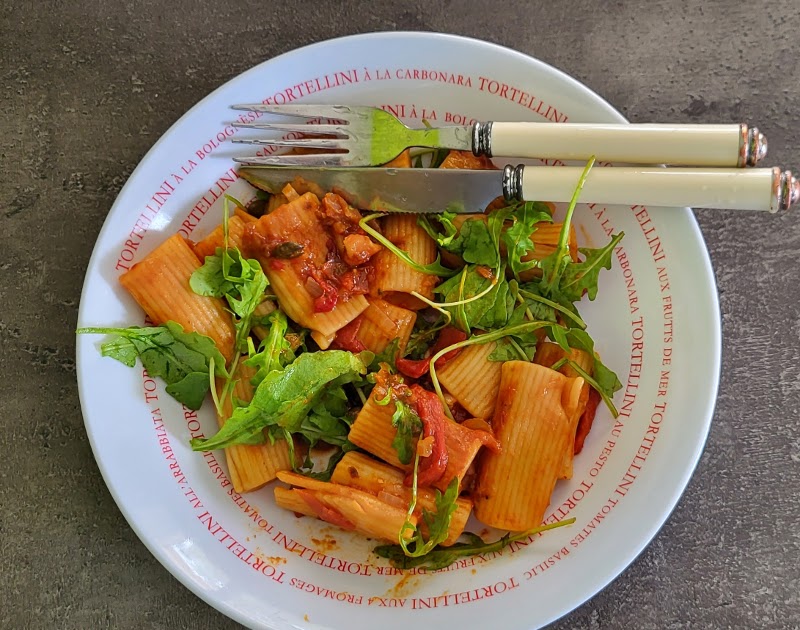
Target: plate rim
712 306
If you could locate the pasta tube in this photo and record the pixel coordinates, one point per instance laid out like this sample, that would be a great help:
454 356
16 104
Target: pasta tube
548 354
373 431
532 422
386 482
473 379
160 285
289 278
251 466
382 323
349 508
392 274
236 225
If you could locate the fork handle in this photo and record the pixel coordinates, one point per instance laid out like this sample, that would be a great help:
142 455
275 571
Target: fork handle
767 189
684 145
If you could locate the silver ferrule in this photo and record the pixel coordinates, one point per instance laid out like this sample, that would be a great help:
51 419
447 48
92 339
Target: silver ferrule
752 146
786 190
512 183
482 139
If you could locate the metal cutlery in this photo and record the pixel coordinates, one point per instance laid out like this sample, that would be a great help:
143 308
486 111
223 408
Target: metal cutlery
369 136
423 190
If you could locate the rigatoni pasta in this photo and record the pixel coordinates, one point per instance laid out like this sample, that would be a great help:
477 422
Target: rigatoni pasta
357 509
548 354
160 285
365 473
251 466
473 379
382 323
373 431
301 293
532 422
391 274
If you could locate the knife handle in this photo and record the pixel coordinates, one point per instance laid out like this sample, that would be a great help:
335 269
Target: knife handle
767 189
685 145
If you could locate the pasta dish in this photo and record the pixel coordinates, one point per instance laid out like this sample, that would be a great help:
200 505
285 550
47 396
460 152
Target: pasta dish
394 373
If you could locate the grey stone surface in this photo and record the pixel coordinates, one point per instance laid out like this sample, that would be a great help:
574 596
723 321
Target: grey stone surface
87 87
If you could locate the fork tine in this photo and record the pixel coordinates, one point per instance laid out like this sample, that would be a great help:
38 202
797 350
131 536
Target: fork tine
308 111
298 127
321 159
302 143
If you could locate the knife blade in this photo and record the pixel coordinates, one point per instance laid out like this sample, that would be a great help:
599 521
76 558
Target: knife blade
426 191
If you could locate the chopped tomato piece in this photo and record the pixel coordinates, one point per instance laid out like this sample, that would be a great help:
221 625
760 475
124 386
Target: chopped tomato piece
431 412
586 420
327 514
347 337
413 368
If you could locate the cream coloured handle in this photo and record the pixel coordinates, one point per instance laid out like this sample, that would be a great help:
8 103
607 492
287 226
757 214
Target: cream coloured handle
686 145
736 189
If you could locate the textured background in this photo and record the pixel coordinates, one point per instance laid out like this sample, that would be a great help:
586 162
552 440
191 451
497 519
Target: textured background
86 87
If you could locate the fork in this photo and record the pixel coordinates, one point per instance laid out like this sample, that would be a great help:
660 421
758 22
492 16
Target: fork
370 136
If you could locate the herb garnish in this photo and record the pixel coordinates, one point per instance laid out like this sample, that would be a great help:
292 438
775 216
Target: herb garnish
182 359
284 398
445 556
438 522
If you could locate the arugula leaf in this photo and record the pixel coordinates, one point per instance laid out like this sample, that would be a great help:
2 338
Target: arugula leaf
507 349
445 219
461 291
275 352
208 279
438 522
408 425
190 390
285 397
503 351
328 422
553 265
197 343
544 308
478 240
492 310
388 355
498 314
583 276
607 382
445 556
240 280
517 238
474 243
322 426
120 348
181 359
559 335
429 323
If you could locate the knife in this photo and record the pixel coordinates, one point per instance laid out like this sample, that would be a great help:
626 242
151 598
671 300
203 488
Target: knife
423 190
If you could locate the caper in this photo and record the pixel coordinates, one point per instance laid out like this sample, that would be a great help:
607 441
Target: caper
287 250
258 206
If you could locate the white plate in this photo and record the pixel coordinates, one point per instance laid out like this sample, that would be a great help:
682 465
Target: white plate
660 296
